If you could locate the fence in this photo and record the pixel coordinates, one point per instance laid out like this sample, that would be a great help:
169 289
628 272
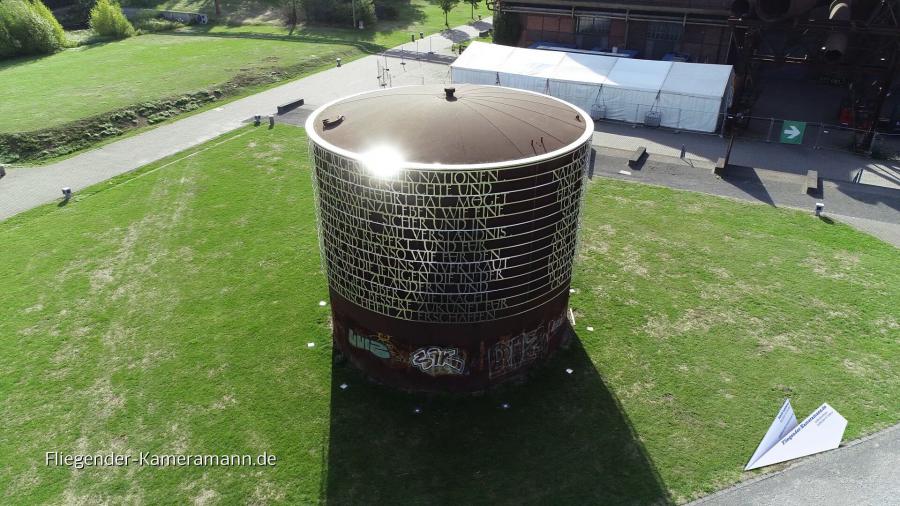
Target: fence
820 136
815 135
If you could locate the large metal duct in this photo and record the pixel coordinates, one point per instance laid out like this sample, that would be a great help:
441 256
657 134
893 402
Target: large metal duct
447 223
740 8
778 10
836 43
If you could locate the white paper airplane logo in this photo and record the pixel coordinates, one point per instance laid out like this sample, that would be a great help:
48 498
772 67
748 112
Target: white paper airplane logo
791 132
787 440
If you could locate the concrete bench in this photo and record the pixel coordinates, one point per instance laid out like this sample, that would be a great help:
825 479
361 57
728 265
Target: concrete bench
637 155
290 106
812 182
720 167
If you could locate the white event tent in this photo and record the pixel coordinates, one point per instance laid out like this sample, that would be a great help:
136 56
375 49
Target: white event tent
687 96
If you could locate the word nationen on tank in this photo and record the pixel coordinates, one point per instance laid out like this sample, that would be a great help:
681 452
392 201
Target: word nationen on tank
448 246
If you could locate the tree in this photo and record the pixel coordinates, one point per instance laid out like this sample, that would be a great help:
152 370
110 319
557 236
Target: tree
292 11
507 28
474 4
447 6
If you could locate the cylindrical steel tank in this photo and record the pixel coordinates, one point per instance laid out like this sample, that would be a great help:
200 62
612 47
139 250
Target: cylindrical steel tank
447 223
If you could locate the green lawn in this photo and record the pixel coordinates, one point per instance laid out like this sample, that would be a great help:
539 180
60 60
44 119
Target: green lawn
170 312
419 13
38 93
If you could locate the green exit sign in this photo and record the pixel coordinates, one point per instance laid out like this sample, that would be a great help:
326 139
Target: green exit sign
792 132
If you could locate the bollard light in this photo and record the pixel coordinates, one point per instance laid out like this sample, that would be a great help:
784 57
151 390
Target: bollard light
256 119
338 62
820 208
67 193
271 121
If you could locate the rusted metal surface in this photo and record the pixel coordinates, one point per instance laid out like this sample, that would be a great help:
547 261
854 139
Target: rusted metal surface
480 124
442 357
449 277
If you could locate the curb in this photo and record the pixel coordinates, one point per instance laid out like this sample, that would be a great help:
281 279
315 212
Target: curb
803 461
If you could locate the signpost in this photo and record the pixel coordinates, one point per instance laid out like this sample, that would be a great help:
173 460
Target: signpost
792 132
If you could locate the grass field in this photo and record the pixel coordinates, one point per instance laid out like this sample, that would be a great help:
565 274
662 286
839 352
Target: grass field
170 312
38 93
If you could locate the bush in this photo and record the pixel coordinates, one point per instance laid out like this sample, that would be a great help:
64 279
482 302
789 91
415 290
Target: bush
58 33
393 9
27 27
340 12
108 20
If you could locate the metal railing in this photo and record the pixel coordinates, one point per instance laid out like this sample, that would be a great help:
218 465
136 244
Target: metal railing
819 135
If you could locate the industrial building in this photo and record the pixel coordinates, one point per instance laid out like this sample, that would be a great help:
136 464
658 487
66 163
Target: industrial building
825 61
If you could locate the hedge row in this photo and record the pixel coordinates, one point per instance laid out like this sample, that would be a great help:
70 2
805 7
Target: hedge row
65 139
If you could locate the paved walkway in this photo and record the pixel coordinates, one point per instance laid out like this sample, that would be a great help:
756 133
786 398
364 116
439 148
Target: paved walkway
862 473
872 209
27 187
839 165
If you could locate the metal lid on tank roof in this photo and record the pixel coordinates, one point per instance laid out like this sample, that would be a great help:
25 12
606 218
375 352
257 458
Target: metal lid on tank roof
460 124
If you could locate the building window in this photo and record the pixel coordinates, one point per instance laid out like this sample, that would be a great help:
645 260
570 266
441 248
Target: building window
664 31
593 25
593 33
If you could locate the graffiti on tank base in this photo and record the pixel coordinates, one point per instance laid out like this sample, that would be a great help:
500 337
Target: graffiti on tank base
557 323
511 354
373 346
437 361
399 357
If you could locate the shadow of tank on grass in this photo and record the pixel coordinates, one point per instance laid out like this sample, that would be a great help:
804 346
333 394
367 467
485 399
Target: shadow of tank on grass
561 439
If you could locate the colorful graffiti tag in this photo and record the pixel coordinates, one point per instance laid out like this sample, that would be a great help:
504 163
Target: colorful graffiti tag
373 346
511 354
437 361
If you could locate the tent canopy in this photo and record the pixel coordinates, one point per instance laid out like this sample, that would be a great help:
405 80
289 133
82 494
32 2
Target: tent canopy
697 79
578 67
689 96
490 57
641 75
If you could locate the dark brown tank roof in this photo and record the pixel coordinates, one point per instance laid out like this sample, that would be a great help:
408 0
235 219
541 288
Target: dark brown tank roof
480 124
